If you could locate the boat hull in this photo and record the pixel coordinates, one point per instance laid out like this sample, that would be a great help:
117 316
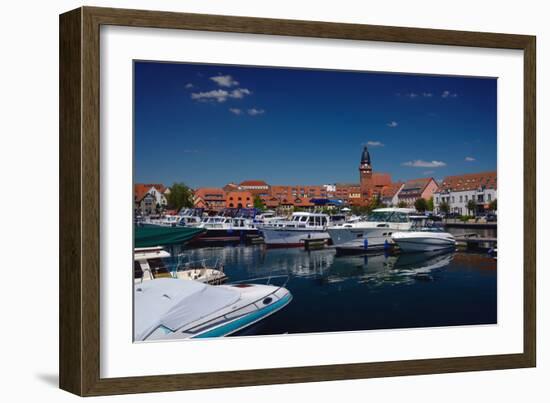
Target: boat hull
422 243
360 238
227 236
284 237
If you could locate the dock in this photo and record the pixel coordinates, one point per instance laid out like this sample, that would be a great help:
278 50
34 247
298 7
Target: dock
476 242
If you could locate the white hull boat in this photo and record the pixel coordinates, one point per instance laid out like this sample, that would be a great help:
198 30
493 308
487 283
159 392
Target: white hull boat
372 233
424 241
170 309
295 232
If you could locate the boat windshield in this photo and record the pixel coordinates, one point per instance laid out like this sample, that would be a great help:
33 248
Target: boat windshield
382 216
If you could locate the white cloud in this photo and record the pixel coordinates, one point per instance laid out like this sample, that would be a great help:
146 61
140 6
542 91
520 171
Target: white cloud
469 159
224 81
189 85
427 94
235 111
393 123
428 172
240 93
375 144
447 94
255 112
220 95
412 95
424 164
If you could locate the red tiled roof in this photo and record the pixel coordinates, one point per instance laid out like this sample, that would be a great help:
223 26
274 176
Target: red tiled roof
141 189
381 179
470 181
253 183
207 193
392 189
420 183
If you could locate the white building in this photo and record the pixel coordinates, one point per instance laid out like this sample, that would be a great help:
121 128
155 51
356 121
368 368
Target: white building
458 190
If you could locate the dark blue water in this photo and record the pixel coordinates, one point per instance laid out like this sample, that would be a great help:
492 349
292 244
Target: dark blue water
344 293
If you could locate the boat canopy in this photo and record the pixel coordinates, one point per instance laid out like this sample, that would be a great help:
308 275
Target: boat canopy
146 236
174 303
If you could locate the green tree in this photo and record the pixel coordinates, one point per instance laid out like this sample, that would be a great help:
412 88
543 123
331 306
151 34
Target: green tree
421 204
180 196
444 207
472 206
401 204
493 205
258 203
431 204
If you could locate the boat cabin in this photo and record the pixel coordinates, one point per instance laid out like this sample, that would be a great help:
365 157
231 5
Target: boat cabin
150 263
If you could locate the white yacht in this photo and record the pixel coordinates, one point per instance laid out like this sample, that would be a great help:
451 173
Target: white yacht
266 219
190 217
372 232
169 309
423 236
296 230
227 229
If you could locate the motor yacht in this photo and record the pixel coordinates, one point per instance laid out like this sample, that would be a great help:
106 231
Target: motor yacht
169 309
372 232
226 229
424 236
295 231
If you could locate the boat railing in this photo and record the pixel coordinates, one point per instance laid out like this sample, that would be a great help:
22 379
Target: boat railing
268 278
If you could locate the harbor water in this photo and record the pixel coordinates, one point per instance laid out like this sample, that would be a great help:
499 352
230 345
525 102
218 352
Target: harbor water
345 293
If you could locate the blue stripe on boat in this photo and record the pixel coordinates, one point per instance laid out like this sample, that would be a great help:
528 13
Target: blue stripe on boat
246 320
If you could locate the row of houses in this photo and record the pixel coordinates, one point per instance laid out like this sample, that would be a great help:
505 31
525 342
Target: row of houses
456 191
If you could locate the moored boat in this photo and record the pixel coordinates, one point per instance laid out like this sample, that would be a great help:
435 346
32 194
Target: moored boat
168 309
370 233
301 227
153 263
424 236
154 235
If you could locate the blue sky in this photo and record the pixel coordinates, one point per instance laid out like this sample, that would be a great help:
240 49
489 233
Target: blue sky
208 125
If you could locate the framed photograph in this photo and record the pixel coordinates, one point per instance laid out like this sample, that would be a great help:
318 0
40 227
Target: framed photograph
250 201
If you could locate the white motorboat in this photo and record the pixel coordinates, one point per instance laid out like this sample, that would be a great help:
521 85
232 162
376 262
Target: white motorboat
153 263
266 219
169 309
300 227
371 233
226 229
423 236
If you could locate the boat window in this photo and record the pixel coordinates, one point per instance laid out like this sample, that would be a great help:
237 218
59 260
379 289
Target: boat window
158 268
267 300
303 218
381 216
399 217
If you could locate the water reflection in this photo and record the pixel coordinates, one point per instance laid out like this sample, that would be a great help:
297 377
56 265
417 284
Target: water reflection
324 265
340 293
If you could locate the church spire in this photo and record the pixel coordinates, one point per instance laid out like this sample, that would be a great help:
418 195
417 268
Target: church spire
365 156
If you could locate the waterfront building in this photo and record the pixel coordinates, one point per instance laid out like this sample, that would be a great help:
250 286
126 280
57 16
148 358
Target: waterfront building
414 189
458 190
210 199
256 187
239 199
150 197
390 194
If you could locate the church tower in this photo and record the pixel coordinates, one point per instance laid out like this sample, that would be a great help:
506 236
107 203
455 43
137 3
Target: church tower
365 175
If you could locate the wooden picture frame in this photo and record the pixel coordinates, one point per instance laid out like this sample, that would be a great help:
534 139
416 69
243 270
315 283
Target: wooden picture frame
79 346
